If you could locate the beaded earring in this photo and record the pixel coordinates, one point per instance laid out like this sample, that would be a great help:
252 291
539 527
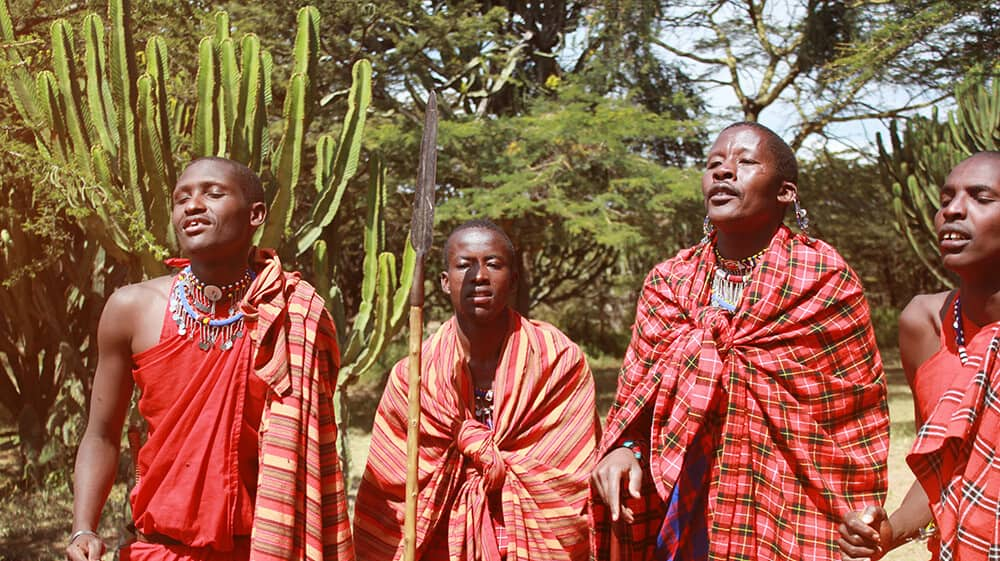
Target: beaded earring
707 228
801 218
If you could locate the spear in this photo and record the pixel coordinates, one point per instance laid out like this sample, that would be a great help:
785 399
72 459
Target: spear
421 235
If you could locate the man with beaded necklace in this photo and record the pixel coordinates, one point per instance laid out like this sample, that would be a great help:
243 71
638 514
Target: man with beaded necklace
236 362
751 407
948 344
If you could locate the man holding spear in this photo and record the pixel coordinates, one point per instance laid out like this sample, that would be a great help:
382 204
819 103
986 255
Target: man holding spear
507 428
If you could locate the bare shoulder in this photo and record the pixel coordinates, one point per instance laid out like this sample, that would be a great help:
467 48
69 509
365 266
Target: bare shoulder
923 315
920 330
133 315
138 298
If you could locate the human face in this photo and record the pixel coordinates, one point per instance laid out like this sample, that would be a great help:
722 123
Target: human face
742 186
479 277
968 222
211 213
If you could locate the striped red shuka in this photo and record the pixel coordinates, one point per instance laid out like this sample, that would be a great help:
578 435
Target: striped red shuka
538 458
300 512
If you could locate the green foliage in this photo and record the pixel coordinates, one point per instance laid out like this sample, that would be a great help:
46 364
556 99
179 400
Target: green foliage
919 158
52 290
109 126
571 184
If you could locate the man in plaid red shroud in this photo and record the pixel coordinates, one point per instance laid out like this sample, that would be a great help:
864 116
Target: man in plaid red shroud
751 409
948 343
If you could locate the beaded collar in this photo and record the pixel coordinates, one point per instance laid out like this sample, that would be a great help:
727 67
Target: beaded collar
963 353
192 307
484 406
737 266
729 278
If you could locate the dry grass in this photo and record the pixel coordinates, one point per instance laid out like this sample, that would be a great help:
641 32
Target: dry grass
33 526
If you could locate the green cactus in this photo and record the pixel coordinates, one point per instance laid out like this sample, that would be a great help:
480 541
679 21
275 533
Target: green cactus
919 158
119 130
113 133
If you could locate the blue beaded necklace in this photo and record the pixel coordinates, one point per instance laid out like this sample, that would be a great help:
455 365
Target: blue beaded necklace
194 310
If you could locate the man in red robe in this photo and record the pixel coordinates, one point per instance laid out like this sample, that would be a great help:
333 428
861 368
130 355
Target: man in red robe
948 343
750 413
236 362
507 428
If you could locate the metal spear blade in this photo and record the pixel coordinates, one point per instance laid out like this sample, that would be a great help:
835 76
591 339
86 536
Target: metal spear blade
422 224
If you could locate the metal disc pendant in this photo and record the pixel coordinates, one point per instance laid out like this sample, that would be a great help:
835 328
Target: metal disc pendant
212 292
204 345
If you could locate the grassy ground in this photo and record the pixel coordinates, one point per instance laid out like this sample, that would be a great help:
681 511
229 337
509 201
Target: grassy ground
34 526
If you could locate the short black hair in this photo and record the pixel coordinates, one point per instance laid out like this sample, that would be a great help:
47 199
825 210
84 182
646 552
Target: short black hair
478 224
788 167
253 188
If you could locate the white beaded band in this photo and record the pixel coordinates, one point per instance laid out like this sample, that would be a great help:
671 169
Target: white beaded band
79 533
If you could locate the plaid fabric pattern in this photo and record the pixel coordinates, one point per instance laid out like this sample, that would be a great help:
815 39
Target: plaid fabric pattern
804 421
683 535
538 457
955 456
301 508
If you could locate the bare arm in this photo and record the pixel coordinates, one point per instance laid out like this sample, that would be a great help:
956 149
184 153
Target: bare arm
919 339
97 456
871 533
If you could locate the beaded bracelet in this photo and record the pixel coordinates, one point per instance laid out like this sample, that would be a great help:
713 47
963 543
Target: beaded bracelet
79 533
635 447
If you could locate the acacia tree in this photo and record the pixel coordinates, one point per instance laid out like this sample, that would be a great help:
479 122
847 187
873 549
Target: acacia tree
826 59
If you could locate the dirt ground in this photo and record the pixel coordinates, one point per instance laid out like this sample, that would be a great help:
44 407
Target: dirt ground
33 527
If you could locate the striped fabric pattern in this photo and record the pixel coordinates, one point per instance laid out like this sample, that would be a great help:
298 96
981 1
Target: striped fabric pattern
804 419
301 508
539 456
955 456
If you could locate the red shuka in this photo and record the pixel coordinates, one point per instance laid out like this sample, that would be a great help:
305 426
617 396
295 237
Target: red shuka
955 453
801 402
538 458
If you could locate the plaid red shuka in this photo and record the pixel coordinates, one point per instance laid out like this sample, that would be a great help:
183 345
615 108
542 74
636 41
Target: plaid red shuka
792 383
955 454
300 512
537 459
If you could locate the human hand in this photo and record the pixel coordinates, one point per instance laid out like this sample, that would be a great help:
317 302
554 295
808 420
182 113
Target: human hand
613 472
86 546
865 535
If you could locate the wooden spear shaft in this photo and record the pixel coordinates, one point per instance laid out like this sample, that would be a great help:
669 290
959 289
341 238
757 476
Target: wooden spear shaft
421 236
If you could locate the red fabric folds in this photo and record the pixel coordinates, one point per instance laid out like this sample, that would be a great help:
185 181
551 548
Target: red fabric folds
955 454
804 421
301 508
538 458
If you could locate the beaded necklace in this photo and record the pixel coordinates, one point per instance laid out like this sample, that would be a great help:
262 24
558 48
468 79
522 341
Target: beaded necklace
484 406
730 276
963 353
192 307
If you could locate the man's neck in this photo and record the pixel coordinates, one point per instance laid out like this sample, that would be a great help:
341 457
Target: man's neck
220 272
981 300
483 343
743 245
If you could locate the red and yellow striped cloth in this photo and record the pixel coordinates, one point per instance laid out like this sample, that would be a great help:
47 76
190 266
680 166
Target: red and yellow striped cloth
539 456
301 510
803 415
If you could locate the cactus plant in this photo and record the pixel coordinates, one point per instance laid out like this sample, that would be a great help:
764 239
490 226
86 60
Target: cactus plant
119 130
919 158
